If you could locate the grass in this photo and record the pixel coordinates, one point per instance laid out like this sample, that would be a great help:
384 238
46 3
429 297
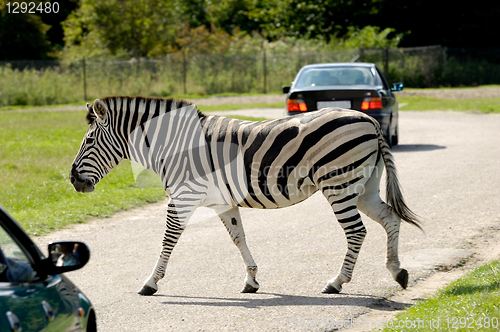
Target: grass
37 151
202 107
422 103
470 303
38 107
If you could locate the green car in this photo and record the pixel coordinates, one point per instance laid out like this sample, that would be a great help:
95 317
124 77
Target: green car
35 295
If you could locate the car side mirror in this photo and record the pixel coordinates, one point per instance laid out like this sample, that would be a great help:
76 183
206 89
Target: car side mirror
67 256
397 87
286 89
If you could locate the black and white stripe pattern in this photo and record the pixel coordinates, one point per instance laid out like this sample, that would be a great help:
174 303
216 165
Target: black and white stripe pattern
225 163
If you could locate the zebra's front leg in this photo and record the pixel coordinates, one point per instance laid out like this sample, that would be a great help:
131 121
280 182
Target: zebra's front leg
231 218
355 239
176 223
348 216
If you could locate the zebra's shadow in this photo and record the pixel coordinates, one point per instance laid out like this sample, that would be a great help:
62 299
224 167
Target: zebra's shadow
274 299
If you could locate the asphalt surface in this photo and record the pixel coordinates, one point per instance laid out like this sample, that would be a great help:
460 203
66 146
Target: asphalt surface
448 164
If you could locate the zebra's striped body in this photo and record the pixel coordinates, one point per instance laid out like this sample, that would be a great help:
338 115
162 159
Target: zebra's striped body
287 160
225 163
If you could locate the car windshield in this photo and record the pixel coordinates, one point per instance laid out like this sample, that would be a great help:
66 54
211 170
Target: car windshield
335 76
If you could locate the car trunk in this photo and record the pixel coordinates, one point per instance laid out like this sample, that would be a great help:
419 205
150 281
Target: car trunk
343 98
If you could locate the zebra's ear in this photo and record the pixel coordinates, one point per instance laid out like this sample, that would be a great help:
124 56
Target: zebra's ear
90 114
99 109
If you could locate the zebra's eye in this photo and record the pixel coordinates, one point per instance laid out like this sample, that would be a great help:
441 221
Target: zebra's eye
89 140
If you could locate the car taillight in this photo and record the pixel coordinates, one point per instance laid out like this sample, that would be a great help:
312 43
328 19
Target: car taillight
294 105
371 103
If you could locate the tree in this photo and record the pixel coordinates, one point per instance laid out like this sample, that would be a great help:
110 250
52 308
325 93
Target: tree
146 28
194 13
447 22
55 33
371 37
319 19
121 28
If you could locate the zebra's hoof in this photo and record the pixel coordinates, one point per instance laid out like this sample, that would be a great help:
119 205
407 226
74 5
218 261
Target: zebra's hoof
249 289
329 289
402 278
146 290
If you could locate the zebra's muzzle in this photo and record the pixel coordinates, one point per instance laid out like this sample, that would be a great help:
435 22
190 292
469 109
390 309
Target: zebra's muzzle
80 184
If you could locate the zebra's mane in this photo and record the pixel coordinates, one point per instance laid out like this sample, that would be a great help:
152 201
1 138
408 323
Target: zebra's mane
178 102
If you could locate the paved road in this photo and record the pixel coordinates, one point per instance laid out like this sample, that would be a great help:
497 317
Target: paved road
448 164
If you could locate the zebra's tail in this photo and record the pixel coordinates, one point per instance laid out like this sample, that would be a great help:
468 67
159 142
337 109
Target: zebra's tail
394 196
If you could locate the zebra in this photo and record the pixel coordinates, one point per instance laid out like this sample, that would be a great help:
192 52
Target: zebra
224 163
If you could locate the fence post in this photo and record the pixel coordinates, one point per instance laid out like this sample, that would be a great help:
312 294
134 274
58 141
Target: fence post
184 70
386 63
84 80
443 59
265 72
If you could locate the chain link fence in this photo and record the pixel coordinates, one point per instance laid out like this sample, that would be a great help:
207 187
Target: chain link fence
59 82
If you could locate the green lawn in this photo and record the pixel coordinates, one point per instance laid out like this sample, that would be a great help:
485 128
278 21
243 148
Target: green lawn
421 103
201 107
36 155
471 303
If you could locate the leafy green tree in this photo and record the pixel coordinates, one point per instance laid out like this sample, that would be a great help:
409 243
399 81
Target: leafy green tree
319 19
194 13
371 37
55 34
235 14
121 28
226 15
202 40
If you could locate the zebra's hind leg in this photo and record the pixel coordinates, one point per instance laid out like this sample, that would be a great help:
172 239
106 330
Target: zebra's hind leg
373 206
231 218
348 216
177 219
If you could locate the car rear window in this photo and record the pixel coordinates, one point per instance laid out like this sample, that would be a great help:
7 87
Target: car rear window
335 76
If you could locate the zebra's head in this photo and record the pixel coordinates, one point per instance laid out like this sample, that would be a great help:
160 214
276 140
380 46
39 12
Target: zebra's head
99 152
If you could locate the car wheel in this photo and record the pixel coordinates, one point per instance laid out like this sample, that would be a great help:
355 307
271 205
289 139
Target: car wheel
91 323
395 137
388 136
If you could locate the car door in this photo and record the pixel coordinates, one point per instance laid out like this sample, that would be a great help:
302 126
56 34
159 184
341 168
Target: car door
387 96
19 298
29 302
